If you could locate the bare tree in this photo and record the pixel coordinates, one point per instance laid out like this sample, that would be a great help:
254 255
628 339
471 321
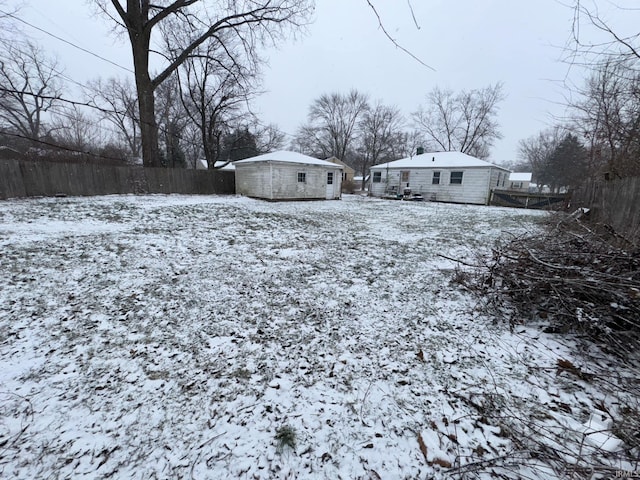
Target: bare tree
381 136
172 122
464 122
76 130
217 82
537 152
251 21
269 138
607 115
614 42
30 86
332 123
116 99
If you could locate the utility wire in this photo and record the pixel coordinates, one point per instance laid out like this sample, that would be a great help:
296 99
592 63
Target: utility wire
60 147
75 103
66 41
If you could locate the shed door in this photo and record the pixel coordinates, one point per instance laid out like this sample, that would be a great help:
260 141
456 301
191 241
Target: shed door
330 185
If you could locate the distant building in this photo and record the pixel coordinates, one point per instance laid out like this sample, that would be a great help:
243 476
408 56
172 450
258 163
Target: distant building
438 176
285 175
202 164
347 172
520 181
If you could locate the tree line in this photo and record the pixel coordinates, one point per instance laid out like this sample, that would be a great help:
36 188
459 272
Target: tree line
198 102
198 105
600 136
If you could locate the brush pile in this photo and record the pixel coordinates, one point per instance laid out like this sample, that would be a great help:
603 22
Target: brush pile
578 278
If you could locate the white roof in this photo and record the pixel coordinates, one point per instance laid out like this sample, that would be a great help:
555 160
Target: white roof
520 177
438 160
224 165
287 156
202 164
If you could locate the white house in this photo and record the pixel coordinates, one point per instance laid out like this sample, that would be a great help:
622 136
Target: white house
285 175
440 177
520 181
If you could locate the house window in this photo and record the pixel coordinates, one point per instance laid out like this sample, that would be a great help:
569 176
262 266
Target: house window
329 178
302 177
499 178
436 178
404 176
456 178
377 177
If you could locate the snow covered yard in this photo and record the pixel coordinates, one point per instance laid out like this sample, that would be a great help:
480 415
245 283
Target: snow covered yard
225 337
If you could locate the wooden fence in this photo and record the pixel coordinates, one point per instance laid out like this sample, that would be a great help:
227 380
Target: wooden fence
30 179
614 202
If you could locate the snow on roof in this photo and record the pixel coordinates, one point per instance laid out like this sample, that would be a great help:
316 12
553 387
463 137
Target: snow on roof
438 160
520 177
224 165
287 156
201 164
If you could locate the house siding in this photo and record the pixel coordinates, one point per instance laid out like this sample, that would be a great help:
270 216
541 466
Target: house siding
475 188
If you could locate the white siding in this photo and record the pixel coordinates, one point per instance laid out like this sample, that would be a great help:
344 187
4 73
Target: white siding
475 188
253 180
279 180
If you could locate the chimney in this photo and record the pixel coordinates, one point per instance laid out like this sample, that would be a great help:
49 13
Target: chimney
419 150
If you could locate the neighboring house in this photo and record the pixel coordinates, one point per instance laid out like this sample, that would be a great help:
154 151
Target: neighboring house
347 172
288 175
439 176
357 180
202 164
520 181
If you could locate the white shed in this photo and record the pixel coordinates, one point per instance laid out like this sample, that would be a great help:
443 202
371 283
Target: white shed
520 181
440 177
287 175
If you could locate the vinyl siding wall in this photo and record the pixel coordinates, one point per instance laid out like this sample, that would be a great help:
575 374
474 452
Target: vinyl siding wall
475 188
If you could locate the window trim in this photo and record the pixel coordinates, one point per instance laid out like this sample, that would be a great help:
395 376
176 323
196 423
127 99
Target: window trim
377 177
330 176
435 178
302 177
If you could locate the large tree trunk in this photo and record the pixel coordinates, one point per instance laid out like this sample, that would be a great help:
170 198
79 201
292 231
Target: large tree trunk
148 124
146 101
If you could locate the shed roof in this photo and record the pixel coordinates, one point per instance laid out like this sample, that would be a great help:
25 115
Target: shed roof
438 160
520 177
289 157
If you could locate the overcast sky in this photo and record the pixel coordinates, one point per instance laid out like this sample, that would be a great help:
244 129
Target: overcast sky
469 43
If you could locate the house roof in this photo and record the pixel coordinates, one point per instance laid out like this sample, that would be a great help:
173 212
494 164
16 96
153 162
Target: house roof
290 157
202 164
438 160
224 165
337 161
520 177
